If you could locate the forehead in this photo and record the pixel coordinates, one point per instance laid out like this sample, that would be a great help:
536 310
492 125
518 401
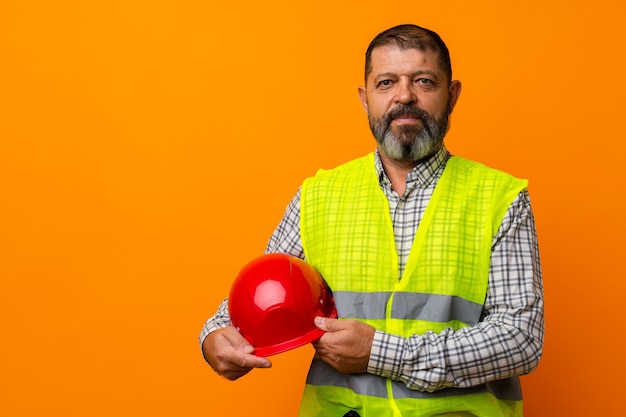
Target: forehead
391 59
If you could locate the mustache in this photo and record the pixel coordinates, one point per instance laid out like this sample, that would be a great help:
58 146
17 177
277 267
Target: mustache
403 111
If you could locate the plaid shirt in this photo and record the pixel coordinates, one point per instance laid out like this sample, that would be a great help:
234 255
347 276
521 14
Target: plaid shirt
508 340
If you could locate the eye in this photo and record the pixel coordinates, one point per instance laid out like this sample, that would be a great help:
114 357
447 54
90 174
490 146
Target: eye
385 84
425 84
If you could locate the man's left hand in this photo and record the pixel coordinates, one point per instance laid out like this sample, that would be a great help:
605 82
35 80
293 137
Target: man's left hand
346 345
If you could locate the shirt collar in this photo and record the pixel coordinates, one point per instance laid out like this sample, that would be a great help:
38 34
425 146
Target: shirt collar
422 175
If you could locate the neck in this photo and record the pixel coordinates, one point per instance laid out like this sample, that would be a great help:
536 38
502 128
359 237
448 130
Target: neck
397 171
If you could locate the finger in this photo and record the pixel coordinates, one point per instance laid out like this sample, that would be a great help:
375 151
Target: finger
238 341
253 361
232 355
237 364
243 346
243 354
327 324
249 359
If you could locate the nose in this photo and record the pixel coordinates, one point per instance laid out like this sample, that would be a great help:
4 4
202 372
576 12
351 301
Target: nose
405 94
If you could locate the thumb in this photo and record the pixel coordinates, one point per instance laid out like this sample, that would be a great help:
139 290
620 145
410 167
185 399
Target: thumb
324 323
246 348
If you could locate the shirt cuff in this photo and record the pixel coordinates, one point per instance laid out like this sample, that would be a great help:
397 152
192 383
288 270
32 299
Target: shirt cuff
220 320
386 355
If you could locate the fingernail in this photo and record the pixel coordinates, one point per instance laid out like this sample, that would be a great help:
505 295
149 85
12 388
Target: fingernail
319 321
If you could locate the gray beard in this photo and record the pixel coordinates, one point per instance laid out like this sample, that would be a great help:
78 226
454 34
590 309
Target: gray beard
409 143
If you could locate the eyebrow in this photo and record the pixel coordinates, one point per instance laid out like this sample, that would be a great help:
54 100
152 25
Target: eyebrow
412 75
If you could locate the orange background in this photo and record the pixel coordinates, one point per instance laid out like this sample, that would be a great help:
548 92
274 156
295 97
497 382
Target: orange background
149 148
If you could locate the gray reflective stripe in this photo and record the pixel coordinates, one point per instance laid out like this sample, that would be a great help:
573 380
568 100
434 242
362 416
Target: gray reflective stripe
435 307
363 305
322 374
375 386
504 389
406 305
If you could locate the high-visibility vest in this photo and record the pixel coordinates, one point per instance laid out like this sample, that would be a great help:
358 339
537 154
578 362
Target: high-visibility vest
347 234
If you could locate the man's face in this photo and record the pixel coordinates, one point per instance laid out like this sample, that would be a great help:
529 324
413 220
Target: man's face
408 100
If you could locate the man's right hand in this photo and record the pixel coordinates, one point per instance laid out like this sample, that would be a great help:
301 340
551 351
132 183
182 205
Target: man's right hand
230 355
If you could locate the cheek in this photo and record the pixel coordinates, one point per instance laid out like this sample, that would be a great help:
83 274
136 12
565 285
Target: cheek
377 109
437 107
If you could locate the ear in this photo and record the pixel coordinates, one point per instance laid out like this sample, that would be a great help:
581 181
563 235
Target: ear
363 97
454 91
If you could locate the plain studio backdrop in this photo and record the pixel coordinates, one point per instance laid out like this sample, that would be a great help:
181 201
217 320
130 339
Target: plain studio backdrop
149 148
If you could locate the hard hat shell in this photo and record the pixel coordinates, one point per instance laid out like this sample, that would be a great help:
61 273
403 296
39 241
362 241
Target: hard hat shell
274 300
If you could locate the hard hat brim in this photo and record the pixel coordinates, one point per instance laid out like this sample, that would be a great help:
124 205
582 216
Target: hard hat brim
309 337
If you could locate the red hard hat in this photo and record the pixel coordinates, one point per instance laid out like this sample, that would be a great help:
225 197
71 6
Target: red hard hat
274 300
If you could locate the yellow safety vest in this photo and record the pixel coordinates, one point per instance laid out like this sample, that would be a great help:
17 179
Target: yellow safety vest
347 234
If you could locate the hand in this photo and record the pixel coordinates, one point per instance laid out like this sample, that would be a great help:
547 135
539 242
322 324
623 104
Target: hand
346 345
230 355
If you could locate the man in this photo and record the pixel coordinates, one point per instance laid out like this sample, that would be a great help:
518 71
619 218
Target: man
432 259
